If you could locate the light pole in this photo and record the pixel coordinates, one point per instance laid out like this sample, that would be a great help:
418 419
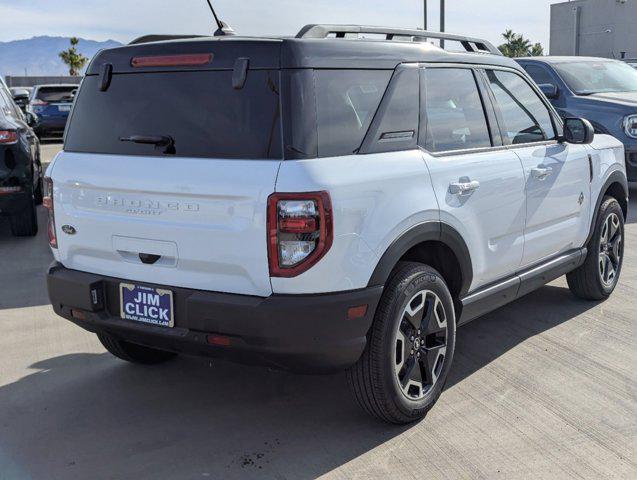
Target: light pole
425 7
442 21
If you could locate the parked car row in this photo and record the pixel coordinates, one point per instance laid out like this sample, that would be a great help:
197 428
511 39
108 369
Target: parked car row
50 106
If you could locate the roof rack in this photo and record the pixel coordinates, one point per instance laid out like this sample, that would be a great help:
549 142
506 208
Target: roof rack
160 38
471 45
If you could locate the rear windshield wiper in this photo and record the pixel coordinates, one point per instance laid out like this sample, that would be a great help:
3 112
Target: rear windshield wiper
165 141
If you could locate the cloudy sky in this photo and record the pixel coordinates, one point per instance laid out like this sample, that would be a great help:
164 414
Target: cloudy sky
124 20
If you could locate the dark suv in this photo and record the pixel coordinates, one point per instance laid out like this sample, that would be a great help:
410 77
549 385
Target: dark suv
602 91
20 168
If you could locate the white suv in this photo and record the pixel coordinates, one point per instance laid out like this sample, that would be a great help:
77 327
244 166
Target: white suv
322 203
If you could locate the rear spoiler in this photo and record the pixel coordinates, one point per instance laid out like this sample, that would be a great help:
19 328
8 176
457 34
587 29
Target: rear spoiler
161 38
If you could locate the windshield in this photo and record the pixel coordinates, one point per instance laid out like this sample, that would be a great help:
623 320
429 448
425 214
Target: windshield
586 78
56 94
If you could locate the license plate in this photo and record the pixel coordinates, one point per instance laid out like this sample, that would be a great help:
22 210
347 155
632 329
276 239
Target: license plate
146 305
64 108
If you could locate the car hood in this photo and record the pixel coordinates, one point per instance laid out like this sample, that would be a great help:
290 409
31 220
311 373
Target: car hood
626 99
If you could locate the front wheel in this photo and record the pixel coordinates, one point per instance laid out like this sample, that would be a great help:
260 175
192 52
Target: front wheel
597 278
410 347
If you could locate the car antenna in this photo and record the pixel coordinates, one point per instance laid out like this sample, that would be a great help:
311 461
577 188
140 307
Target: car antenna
224 28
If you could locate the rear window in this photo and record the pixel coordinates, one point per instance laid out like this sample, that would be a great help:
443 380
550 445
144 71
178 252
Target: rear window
346 102
55 94
200 111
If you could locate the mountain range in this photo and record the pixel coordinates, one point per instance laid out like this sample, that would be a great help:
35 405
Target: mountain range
39 55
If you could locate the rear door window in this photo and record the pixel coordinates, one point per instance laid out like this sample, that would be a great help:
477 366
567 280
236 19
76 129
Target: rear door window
346 102
523 117
455 117
55 94
200 111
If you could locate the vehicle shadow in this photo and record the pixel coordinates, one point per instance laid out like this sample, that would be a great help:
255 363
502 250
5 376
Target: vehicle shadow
88 415
23 263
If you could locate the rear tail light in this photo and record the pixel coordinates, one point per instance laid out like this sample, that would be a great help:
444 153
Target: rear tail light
299 231
47 201
8 136
39 103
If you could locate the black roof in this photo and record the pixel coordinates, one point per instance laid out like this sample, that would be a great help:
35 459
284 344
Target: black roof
310 49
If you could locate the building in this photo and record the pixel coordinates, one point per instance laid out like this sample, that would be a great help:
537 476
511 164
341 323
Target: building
15 81
596 28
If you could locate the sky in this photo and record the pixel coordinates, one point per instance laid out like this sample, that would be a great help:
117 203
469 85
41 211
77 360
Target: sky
124 20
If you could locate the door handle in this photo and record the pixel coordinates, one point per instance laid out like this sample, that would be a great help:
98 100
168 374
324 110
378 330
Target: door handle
541 173
464 187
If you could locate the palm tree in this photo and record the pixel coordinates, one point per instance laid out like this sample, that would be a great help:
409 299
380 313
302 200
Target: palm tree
73 58
518 46
537 50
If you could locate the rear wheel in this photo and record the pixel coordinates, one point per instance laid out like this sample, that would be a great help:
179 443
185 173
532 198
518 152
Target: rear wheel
410 347
25 223
133 353
597 278
38 195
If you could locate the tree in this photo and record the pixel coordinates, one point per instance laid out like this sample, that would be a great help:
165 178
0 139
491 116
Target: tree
537 50
74 59
518 46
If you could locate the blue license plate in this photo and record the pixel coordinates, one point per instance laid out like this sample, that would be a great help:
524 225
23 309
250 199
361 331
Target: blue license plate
146 305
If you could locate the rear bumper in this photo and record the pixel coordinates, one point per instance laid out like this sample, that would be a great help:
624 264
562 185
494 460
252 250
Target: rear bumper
303 333
50 123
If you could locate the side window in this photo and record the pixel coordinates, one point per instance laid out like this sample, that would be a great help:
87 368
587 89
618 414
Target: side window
4 103
539 75
455 118
7 105
346 101
523 116
395 125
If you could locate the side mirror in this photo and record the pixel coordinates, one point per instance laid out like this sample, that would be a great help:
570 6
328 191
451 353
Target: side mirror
30 119
549 90
578 131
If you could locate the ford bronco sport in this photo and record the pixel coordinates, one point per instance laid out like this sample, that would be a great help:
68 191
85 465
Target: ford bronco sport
321 203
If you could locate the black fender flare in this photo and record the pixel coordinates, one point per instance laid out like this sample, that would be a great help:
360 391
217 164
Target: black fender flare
425 232
615 177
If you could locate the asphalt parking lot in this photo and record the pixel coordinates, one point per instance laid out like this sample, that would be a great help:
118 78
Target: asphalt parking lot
543 388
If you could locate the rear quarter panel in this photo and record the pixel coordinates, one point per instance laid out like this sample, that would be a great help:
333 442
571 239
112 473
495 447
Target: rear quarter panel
374 197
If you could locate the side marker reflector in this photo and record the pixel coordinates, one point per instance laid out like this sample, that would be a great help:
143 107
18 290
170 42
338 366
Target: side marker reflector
218 340
357 312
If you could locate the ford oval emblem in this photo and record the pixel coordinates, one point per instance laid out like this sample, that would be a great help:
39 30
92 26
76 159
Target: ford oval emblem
69 230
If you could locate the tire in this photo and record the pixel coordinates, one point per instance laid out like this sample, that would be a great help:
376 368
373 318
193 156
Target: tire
593 280
38 195
376 379
25 223
133 353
